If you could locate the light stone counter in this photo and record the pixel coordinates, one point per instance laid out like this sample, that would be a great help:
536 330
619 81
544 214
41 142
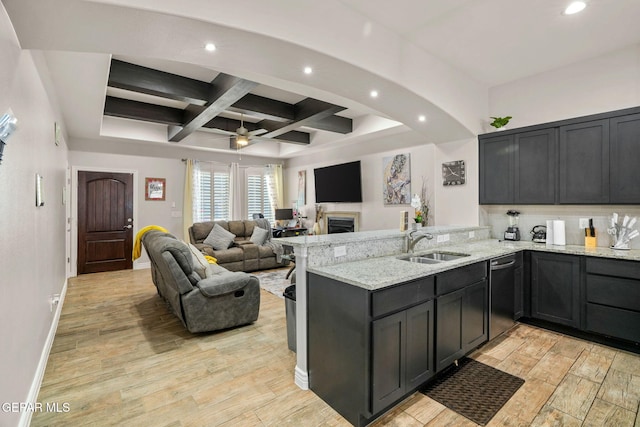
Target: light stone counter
377 273
369 260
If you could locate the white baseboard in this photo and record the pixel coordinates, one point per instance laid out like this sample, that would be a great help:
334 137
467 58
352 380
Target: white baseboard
25 418
141 265
301 378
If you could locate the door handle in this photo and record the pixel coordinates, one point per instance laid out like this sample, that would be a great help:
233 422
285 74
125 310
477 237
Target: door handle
127 226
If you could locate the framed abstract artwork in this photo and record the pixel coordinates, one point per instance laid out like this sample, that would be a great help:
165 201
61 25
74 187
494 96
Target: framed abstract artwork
396 185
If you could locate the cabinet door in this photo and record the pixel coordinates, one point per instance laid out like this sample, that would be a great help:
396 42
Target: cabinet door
555 287
449 341
388 367
535 167
584 162
419 355
625 154
497 170
475 320
518 304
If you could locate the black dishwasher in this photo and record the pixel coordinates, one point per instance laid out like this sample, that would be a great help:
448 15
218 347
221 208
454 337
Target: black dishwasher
503 283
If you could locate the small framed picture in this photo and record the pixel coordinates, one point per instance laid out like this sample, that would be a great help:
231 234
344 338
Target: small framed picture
155 188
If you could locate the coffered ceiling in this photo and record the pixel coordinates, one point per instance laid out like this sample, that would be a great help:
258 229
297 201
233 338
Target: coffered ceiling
135 72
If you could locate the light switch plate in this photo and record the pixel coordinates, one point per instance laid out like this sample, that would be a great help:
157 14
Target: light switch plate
472 234
339 251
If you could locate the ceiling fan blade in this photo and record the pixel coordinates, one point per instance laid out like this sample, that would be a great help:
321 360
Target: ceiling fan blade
257 132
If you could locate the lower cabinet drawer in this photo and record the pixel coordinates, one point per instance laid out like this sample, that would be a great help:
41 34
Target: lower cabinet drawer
613 322
614 291
401 296
612 267
461 277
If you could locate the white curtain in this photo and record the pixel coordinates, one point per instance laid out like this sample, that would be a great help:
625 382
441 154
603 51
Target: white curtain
188 200
276 187
235 192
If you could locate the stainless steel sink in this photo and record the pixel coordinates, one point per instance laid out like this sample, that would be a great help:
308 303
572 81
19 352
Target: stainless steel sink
419 259
432 257
444 256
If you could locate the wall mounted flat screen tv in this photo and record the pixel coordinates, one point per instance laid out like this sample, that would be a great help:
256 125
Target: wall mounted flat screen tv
339 183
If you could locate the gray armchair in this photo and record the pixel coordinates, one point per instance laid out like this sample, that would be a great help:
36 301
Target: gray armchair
211 299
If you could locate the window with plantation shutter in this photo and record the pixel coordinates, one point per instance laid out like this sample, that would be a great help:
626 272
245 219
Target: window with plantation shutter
258 199
210 193
221 196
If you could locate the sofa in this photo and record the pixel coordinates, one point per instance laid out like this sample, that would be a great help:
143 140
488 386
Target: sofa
245 252
205 297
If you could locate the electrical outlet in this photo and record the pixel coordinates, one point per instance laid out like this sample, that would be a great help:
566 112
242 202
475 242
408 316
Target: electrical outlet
472 234
54 301
339 251
442 238
583 223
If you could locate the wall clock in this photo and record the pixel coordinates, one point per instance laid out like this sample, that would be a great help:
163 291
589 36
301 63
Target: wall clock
453 173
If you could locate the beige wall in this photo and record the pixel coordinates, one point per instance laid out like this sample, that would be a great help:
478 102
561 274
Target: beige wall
32 248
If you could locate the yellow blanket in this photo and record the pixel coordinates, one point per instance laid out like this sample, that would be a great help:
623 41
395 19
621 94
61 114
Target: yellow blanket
137 243
210 259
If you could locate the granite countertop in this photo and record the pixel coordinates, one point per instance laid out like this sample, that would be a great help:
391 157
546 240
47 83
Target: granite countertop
366 236
377 273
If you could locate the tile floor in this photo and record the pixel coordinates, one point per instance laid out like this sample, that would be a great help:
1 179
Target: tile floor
120 358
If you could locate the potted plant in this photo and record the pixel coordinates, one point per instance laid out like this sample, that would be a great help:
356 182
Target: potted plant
500 122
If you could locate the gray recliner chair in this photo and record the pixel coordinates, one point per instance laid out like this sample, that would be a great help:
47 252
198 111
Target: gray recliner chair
219 300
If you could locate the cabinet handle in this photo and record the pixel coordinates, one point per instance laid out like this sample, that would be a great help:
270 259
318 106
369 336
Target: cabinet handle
502 266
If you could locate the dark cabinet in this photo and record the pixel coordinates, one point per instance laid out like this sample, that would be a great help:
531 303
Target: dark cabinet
518 168
584 162
369 349
497 169
612 298
518 303
402 356
555 288
624 156
461 313
535 167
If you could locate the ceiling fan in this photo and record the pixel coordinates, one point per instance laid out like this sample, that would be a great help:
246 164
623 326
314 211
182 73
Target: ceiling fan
243 136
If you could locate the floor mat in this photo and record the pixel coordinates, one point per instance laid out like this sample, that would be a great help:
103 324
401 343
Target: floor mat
473 389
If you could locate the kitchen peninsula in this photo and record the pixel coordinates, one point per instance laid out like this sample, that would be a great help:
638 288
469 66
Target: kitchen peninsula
354 293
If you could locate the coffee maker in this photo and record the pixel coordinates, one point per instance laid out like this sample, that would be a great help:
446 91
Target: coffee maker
513 232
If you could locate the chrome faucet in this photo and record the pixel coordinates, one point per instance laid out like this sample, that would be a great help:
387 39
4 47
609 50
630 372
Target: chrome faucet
410 240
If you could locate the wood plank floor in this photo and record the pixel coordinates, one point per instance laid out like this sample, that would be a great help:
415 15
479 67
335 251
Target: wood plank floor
121 358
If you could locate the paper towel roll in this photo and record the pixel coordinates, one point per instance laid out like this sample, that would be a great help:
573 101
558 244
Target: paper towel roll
556 232
549 232
559 237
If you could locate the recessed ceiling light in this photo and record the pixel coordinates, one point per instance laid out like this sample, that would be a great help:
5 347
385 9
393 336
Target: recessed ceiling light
210 47
308 70
575 7
422 118
374 93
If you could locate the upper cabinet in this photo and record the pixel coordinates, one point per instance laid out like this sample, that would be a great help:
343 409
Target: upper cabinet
624 156
584 163
497 170
588 160
518 168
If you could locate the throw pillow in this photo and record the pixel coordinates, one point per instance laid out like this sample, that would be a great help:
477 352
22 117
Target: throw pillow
200 264
219 238
259 236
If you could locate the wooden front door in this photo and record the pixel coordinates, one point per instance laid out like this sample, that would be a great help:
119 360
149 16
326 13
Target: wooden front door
105 221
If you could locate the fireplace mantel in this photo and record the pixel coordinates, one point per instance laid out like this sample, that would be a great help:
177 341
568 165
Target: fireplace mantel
341 214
